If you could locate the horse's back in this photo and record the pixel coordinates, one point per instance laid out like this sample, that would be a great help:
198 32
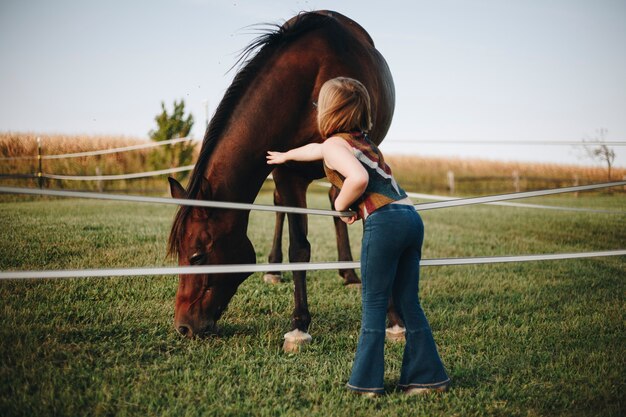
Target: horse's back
341 47
353 26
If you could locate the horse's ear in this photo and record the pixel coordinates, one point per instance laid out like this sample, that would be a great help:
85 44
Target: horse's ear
176 189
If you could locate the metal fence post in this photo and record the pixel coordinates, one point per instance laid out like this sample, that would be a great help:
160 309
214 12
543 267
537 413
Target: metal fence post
516 181
39 170
451 181
99 182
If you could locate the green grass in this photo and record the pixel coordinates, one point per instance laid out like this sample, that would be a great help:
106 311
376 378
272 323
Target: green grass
542 338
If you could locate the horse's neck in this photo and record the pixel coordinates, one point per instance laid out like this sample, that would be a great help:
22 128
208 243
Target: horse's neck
235 176
266 119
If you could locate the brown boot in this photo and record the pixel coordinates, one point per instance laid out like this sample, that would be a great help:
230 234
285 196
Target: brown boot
424 391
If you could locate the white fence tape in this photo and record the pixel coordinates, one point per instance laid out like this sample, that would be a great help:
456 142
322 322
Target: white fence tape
176 201
394 142
514 196
102 151
118 176
245 268
506 142
321 183
522 205
506 204
214 269
283 209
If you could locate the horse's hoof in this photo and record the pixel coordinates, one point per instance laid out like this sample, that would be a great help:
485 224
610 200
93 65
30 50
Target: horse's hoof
349 284
349 277
294 340
395 333
356 285
271 278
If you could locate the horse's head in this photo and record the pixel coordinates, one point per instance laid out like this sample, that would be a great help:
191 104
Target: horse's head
202 236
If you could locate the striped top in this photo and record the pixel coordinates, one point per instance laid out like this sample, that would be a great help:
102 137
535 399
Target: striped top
382 188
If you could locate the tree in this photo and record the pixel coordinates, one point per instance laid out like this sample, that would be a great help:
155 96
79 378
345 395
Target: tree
171 126
597 149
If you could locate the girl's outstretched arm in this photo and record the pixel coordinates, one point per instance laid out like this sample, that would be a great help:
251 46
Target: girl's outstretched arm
310 152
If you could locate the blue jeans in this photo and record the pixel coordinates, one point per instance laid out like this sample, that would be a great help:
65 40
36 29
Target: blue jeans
390 256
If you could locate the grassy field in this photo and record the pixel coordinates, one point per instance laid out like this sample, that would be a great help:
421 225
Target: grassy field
532 339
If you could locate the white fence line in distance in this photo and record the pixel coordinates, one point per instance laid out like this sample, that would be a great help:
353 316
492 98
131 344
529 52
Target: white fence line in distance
101 151
321 183
118 176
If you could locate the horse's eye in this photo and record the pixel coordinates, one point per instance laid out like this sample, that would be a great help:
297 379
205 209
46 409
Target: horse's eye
197 258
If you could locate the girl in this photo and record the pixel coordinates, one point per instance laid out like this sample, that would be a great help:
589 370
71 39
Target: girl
393 233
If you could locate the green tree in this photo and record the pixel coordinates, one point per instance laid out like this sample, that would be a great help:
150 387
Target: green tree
171 126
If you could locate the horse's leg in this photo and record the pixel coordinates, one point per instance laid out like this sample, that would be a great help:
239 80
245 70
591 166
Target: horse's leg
292 190
276 254
395 326
343 243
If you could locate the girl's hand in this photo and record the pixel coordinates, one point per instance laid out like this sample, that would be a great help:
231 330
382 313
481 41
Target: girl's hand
276 158
349 220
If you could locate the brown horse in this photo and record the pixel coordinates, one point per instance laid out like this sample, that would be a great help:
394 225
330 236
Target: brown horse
269 106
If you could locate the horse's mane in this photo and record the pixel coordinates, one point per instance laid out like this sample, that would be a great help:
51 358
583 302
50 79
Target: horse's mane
251 59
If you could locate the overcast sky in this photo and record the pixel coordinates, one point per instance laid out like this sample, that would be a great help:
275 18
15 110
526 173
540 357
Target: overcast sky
464 70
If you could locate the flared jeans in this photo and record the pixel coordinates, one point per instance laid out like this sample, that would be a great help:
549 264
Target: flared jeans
390 256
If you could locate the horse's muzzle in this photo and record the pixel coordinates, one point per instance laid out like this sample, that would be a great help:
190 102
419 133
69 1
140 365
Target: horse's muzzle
187 330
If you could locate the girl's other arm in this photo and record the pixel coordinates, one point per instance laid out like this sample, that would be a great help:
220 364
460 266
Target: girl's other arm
338 156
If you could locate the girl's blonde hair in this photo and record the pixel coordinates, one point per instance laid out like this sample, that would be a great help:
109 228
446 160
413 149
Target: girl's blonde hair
343 105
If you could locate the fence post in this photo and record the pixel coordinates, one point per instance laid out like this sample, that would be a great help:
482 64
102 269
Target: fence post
576 184
39 170
516 181
99 182
451 182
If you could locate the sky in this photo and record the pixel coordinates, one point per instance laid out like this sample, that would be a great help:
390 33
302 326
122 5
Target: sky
493 70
